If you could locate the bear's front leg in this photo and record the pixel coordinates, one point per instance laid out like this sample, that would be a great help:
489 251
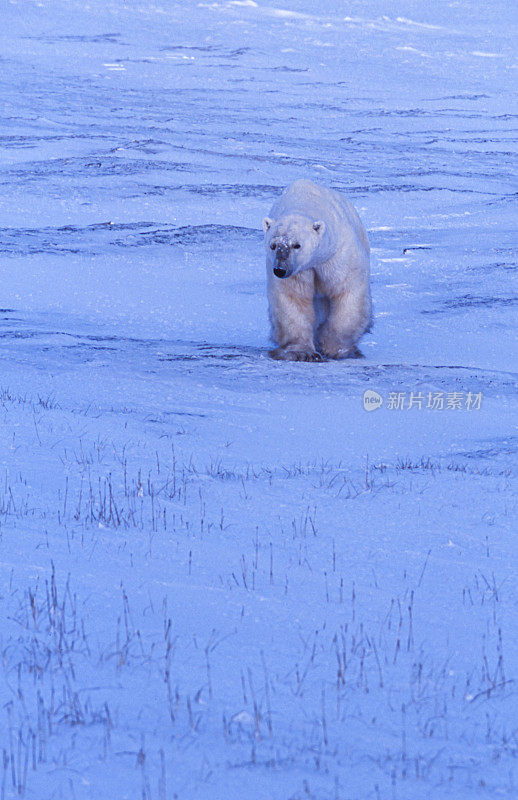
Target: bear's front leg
349 318
294 353
293 318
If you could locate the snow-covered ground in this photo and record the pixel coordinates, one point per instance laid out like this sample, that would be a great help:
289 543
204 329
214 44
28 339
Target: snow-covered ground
220 577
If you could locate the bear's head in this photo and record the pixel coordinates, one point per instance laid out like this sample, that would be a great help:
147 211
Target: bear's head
291 243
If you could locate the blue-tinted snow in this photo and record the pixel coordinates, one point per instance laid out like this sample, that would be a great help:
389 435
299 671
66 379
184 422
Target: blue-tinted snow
220 576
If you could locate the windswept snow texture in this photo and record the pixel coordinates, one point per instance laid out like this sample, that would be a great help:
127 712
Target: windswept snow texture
220 577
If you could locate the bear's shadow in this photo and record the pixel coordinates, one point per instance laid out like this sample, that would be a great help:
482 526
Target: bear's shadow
231 352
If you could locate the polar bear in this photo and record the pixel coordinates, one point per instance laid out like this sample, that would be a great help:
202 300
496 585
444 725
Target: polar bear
317 262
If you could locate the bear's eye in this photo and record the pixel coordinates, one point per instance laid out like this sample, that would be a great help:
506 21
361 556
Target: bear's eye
296 246
273 246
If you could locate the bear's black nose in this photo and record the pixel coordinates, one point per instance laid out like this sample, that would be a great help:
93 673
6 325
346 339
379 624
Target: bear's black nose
280 272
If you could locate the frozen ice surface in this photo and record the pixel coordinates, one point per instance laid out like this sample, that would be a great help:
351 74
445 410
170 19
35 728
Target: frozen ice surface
220 576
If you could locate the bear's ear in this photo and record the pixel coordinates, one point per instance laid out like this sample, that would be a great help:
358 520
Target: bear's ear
267 223
319 226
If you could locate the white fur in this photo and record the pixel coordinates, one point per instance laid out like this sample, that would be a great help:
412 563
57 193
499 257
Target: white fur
327 276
